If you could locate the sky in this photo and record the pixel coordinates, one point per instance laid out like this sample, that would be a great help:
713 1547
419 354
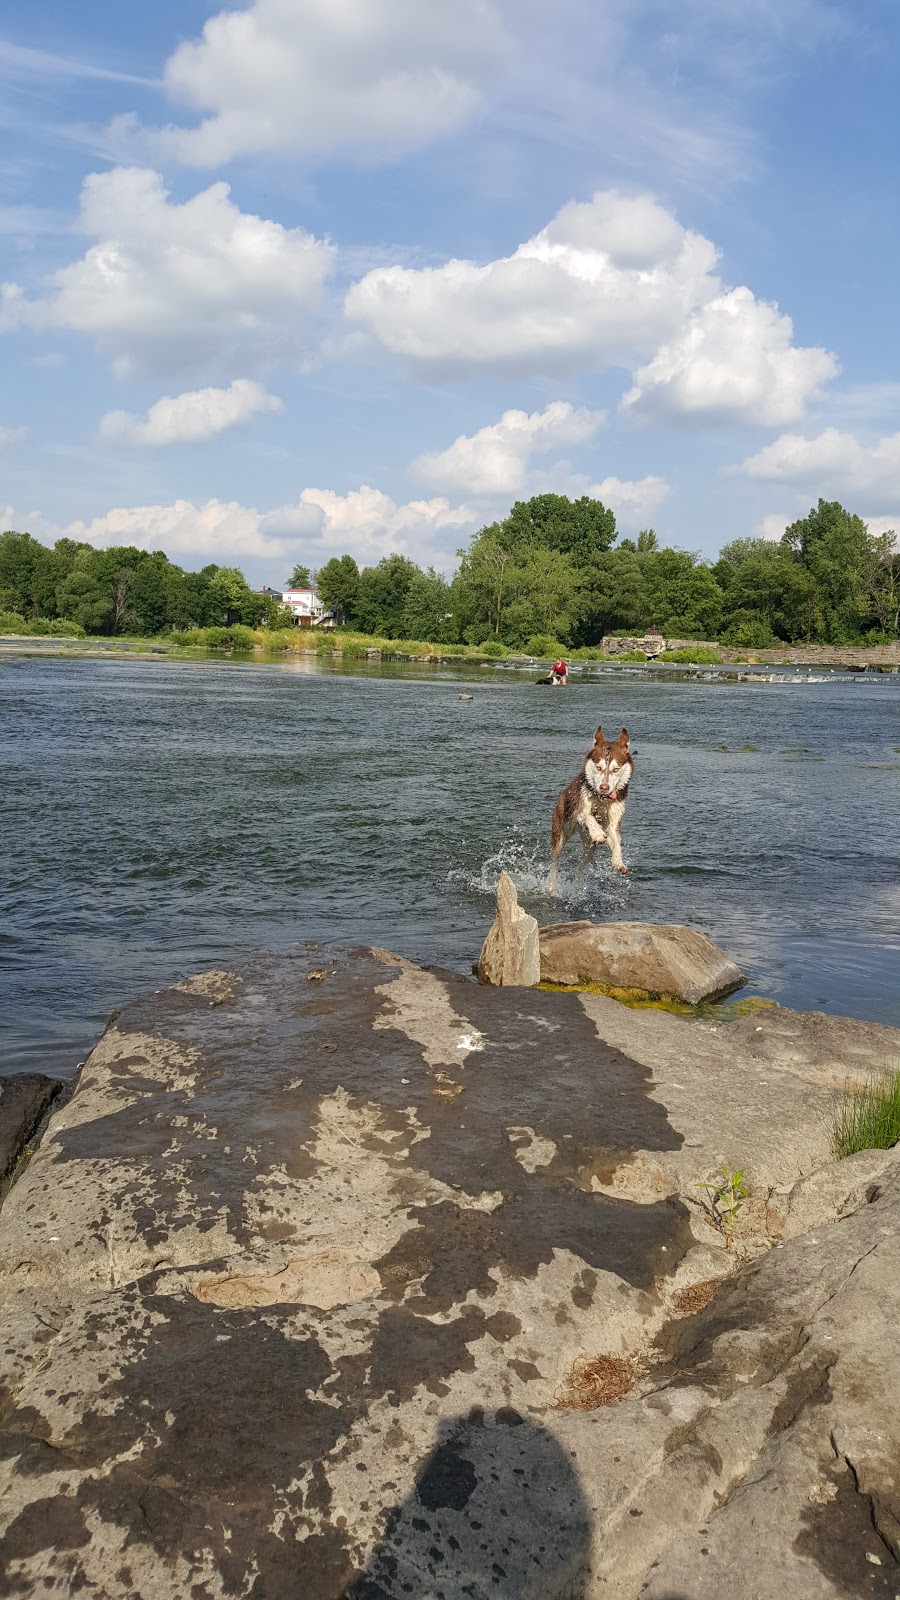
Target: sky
317 276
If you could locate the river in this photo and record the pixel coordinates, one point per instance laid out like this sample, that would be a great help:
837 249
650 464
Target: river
162 816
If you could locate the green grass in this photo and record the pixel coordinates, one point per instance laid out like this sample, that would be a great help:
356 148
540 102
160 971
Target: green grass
867 1118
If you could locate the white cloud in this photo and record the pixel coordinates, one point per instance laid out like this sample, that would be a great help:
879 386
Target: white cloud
364 523
632 500
833 463
200 286
11 436
495 459
609 282
323 76
189 418
605 278
733 362
772 526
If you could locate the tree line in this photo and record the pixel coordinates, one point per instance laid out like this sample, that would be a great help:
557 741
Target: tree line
123 590
552 570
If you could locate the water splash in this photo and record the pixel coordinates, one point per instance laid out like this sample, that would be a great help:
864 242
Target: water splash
603 893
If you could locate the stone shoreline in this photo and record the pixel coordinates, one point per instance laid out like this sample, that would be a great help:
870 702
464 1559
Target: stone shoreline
341 1277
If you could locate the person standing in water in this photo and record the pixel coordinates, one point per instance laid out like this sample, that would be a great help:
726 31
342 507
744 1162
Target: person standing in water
559 672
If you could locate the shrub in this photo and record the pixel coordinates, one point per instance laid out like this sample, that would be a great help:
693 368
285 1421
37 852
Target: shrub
492 647
749 628
867 1118
187 638
544 646
589 652
700 656
40 627
630 655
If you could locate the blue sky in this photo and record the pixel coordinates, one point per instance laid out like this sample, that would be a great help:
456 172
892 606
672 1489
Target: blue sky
310 276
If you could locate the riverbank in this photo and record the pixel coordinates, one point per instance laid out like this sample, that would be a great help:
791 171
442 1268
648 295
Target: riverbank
853 658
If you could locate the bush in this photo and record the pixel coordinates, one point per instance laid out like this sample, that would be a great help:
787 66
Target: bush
40 627
630 655
701 656
589 652
187 638
867 1118
750 629
544 646
492 647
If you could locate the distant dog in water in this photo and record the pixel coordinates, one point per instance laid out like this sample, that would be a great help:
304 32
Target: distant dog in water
594 803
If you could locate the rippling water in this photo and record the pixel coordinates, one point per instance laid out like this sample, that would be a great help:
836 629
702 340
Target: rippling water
162 816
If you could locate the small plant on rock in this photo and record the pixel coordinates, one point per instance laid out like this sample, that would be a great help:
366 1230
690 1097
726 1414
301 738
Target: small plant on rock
726 1197
867 1118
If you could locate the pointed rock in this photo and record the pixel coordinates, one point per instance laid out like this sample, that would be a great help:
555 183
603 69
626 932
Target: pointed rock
511 952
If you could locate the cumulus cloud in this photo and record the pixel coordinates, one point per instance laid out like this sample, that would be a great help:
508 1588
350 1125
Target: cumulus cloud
200 286
733 362
632 500
320 523
832 463
614 281
189 418
315 77
495 459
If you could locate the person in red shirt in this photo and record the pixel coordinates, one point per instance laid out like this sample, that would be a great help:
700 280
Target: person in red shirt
559 672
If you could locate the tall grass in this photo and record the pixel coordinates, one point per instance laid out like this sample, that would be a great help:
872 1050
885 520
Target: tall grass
867 1118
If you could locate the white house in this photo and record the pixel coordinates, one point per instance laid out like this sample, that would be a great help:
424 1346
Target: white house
308 609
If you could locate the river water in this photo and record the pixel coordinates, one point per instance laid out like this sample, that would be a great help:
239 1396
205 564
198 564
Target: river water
161 816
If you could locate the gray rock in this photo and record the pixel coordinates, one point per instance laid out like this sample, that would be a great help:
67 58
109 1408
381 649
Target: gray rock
24 1100
299 1290
664 960
510 953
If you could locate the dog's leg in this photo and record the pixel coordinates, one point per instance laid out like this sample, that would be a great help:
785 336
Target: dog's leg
616 813
587 855
558 837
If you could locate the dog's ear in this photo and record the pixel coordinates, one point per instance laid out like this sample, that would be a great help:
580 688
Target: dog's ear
598 736
623 738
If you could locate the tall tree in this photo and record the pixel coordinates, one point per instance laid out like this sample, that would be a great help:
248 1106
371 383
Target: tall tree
338 583
833 546
300 578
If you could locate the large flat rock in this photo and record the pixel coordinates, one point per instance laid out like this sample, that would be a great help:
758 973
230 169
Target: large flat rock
662 959
298 1291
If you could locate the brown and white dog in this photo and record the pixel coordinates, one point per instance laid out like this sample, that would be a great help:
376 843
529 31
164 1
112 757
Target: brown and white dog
594 803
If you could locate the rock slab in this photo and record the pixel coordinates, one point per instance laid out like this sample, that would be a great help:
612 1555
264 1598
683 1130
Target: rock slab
510 954
665 960
294 1289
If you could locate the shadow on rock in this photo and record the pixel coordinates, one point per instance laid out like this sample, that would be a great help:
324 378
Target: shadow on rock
498 1510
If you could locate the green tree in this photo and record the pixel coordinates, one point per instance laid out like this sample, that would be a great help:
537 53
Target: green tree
683 597
833 546
300 578
578 529
381 596
85 595
428 610
612 594
544 589
338 583
881 583
485 581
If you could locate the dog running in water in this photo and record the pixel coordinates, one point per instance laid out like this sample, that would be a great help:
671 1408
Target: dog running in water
594 803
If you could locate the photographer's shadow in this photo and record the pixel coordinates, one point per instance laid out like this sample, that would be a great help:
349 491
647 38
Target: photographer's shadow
498 1511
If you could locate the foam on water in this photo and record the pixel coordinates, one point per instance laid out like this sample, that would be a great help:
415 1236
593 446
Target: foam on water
602 892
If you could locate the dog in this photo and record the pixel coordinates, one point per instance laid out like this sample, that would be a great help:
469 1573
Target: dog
594 803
